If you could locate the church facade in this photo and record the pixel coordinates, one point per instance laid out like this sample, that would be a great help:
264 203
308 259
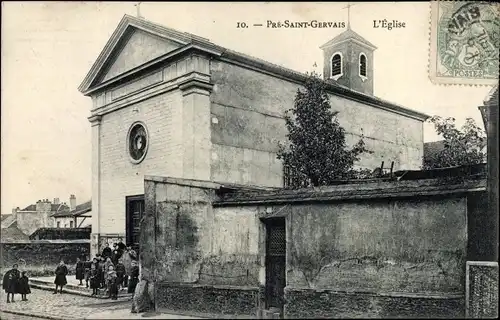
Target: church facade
168 103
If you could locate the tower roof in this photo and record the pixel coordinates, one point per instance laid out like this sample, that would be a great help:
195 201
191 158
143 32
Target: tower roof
349 34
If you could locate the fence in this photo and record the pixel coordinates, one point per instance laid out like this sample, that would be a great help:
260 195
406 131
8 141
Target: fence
481 291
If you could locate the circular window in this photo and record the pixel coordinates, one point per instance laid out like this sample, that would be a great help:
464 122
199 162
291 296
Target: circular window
137 142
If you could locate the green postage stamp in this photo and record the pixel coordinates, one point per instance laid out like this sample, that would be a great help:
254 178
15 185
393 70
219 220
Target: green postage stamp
465 37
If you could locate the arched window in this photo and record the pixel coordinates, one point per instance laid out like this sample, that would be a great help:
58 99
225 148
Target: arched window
336 65
362 65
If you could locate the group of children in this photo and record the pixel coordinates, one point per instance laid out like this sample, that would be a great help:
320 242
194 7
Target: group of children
16 282
113 270
110 271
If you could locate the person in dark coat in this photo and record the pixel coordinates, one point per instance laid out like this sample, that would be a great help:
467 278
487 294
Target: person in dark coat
121 246
134 277
106 252
101 268
80 271
116 254
86 266
10 282
24 286
120 273
94 278
61 272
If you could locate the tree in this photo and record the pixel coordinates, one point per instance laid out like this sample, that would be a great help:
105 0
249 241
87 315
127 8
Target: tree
316 150
460 147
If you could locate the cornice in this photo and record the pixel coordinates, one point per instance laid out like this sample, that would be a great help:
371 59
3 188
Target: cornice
95 120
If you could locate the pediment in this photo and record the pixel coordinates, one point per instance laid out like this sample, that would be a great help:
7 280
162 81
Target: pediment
136 48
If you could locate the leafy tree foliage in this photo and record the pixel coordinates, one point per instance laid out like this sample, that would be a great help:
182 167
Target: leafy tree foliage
316 151
463 146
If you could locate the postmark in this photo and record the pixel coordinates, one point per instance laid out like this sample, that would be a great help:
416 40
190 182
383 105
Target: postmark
464 42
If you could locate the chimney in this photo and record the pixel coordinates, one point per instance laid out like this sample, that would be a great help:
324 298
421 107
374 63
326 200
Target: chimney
72 202
56 200
14 210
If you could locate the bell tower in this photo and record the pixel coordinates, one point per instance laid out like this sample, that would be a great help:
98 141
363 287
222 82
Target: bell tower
348 60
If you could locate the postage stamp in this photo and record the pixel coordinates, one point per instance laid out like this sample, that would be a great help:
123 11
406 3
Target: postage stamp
465 37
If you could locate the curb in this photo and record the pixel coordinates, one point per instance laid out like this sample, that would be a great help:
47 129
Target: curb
37 315
74 292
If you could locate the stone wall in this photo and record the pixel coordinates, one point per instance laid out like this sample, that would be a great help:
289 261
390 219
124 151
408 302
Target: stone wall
382 246
367 258
42 253
213 255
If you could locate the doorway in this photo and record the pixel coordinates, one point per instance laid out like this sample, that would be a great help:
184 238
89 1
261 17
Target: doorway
275 262
134 209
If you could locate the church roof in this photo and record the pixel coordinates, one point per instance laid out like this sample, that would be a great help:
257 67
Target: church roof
349 34
190 41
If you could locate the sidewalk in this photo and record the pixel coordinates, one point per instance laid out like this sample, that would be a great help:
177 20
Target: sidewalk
126 314
73 287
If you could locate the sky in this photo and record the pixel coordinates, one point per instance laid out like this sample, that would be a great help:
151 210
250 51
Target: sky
48 48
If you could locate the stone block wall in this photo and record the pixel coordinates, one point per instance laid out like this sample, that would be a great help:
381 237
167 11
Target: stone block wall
42 252
191 251
247 109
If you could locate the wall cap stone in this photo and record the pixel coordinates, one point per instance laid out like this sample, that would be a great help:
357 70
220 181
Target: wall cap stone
417 295
206 286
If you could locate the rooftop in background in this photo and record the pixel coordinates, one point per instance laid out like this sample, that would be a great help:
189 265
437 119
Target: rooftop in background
53 207
80 210
421 183
12 233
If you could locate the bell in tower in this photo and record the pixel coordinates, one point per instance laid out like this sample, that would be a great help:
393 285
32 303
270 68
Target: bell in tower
348 60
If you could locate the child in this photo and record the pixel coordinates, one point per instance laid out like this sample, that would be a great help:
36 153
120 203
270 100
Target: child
112 280
106 266
80 271
61 272
120 273
134 277
24 287
101 271
94 279
86 266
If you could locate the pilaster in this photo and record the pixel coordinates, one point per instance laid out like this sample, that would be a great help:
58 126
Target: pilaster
196 131
95 122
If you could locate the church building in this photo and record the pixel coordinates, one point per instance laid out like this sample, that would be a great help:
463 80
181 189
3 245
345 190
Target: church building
170 103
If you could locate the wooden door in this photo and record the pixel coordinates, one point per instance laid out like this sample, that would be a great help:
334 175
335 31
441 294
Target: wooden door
135 209
275 262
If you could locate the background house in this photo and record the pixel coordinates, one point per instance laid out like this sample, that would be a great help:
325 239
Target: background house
49 214
35 216
76 217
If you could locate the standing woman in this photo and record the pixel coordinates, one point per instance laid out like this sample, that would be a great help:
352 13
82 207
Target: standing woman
11 282
80 270
61 272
